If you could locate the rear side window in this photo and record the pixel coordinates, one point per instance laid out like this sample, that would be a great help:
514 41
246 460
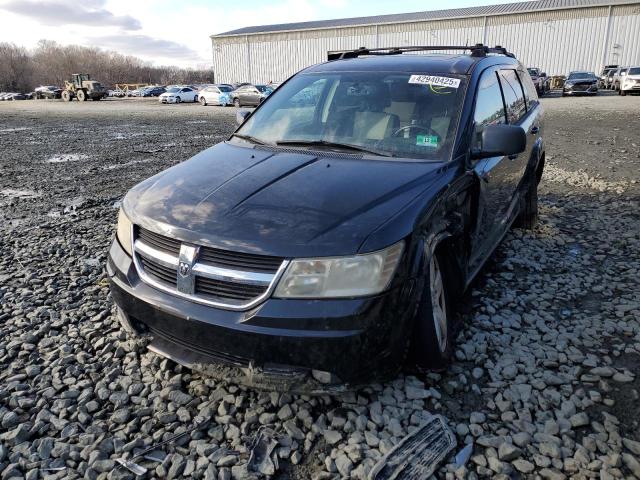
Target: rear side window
530 93
513 95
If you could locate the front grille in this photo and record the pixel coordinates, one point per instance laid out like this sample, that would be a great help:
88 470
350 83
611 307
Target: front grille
240 261
230 290
159 272
213 276
166 244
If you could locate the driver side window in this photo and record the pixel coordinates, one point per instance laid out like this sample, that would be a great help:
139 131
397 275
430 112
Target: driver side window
489 108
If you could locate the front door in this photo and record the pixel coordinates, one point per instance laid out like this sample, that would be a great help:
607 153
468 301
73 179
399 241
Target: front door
496 102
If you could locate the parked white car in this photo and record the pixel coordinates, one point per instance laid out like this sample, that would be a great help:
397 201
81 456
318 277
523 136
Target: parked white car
216 95
630 82
178 95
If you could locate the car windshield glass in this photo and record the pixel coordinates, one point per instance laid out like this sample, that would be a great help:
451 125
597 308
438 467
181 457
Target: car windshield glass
225 89
582 76
173 90
393 113
532 71
634 71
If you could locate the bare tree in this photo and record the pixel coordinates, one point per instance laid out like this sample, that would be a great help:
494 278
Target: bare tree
51 64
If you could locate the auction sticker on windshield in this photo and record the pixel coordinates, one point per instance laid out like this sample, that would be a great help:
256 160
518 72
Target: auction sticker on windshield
427 141
433 80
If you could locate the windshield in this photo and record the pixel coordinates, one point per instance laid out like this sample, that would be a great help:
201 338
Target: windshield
173 90
224 88
263 88
634 71
390 113
582 76
533 72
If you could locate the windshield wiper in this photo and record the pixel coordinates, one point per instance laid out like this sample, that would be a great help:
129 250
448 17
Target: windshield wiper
249 138
326 143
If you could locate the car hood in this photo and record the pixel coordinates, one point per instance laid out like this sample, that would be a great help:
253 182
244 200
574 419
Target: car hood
280 203
632 77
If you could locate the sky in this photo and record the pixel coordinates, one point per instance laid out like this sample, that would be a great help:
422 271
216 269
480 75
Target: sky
166 32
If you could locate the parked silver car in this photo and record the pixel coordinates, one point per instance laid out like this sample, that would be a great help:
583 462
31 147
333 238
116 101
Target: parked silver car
630 82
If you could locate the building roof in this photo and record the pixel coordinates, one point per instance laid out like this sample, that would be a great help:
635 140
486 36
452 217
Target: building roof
486 10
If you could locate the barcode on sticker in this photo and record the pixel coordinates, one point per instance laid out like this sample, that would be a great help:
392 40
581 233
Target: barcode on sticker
433 80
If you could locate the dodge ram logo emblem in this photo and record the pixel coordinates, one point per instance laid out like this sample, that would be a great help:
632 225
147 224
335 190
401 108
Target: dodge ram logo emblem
185 279
185 269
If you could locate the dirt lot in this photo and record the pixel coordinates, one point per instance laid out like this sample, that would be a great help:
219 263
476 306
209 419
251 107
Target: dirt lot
545 383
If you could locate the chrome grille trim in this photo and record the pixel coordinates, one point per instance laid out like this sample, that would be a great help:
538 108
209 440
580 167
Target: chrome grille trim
242 278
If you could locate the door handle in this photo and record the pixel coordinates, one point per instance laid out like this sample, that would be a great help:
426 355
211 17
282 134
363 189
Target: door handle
535 129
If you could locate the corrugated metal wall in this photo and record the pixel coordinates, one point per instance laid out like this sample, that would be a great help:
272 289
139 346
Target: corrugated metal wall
556 41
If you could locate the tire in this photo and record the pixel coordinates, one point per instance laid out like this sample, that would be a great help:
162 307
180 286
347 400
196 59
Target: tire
622 92
236 102
203 101
528 217
81 95
178 100
195 99
432 336
66 96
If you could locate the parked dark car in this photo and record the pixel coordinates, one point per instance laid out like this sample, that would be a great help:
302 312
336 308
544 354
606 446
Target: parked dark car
250 95
329 241
47 91
580 83
153 91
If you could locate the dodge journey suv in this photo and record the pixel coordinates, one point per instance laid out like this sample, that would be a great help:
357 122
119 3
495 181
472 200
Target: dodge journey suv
328 241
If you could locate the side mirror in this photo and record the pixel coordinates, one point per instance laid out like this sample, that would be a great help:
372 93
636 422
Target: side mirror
499 140
242 115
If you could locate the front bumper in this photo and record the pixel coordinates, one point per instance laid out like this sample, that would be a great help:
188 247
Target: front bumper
168 100
305 346
630 87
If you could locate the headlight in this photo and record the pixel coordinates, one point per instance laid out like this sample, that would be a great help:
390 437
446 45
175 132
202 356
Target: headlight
124 232
355 276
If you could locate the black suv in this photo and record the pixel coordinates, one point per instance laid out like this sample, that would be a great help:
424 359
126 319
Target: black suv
329 239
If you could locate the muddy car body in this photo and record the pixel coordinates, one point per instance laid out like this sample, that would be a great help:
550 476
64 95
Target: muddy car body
298 259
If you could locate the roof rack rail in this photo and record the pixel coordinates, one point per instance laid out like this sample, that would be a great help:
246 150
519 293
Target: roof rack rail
477 50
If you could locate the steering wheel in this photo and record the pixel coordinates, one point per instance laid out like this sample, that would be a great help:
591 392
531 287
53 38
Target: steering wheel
422 128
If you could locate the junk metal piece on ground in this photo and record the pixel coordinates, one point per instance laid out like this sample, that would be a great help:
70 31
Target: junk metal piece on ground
261 458
418 454
129 464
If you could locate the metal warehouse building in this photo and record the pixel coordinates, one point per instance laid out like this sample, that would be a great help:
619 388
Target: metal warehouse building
555 35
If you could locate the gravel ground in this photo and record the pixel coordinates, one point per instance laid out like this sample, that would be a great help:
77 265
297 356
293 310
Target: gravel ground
545 382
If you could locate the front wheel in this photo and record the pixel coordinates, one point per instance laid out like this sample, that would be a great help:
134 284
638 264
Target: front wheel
203 101
178 99
432 339
622 92
66 96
